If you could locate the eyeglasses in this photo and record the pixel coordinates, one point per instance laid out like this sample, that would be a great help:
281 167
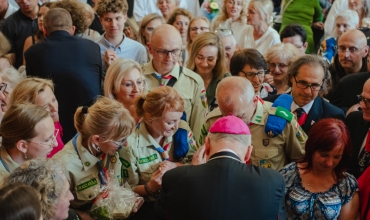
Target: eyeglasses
53 140
305 85
163 53
3 87
226 31
363 99
251 75
199 28
280 65
119 143
352 50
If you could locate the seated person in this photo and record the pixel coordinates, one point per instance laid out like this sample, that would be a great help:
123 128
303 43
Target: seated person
11 78
4 50
295 34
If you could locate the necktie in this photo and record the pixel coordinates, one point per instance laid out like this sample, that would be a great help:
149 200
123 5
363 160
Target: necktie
301 115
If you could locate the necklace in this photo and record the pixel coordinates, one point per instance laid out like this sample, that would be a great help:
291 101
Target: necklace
214 158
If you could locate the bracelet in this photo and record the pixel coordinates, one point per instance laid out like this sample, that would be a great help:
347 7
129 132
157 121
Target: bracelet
149 192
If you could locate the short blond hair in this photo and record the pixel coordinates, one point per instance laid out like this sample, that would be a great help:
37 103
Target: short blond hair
223 16
11 76
284 51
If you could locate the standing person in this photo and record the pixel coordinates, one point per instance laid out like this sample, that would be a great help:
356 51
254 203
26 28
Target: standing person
11 78
197 26
317 187
233 16
258 34
308 14
102 130
167 7
19 26
229 42
113 43
296 35
205 192
163 69
208 60
154 148
74 85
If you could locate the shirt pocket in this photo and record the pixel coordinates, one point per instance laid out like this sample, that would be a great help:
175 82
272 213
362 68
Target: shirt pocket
88 188
265 155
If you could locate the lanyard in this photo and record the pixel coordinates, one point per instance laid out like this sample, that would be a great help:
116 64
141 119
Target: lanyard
6 167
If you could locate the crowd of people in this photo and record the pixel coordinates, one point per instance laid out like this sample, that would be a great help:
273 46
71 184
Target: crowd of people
262 112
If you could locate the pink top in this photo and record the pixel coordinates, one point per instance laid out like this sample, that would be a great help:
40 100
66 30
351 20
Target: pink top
60 146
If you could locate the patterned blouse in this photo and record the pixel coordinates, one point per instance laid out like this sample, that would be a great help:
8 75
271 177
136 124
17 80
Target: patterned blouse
302 204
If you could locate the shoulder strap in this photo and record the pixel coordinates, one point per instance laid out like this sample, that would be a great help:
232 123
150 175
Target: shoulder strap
5 166
173 80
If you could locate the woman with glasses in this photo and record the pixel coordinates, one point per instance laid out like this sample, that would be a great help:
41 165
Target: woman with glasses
40 92
146 28
207 58
249 63
259 34
124 82
27 132
11 77
197 26
317 186
154 147
91 156
232 16
279 57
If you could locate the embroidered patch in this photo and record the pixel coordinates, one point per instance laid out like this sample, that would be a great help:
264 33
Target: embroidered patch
204 100
265 142
124 173
87 185
148 159
301 135
124 162
283 113
192 142
265 164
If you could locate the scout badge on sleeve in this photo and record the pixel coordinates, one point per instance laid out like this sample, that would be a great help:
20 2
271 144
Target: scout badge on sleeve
275 124
180 139
203 97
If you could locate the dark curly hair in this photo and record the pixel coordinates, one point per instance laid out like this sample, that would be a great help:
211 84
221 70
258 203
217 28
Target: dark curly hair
114 6
77 12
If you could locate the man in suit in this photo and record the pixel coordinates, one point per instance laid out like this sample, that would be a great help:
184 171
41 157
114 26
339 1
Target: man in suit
74 64
224 187
308 77
358 123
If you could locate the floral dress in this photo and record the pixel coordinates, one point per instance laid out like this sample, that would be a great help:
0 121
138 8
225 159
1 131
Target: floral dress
302 204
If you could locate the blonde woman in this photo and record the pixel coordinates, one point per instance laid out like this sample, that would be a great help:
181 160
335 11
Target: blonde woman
153 148
12 78
167 7
207 58
233 15
124 82
279 57
197 26
260 35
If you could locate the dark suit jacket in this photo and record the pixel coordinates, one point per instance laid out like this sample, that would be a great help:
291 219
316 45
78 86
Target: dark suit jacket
75 66
222 188
357 128
320 109
347 90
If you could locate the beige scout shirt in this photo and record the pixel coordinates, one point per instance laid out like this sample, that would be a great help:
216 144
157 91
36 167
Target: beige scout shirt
83 172
268 152
190 86
7 165
140 160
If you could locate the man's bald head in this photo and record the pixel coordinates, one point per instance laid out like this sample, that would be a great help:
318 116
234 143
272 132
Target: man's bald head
166 32
356 35
236 95
365 105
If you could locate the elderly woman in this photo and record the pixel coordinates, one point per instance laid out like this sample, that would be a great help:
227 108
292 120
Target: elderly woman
12 78
233 15
207 58
124 82
47 176
249 63
167 7
180 19
345 21
279 57
18 201
92 154
146 28
90 16
259 35
154 148
317 187
27 132
40 92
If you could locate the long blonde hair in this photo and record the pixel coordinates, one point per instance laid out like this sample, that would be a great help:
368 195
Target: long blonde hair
223 16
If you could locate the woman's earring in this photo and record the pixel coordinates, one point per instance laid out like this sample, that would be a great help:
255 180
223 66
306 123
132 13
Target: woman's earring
25 156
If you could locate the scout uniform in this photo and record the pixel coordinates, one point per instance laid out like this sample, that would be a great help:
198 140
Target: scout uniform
83 171
140 158
190 86
268 152
7 165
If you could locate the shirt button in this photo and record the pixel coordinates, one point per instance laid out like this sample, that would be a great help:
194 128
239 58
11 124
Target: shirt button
90 196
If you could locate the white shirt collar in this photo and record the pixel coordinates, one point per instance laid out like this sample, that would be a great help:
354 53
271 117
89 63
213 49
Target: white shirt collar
306 107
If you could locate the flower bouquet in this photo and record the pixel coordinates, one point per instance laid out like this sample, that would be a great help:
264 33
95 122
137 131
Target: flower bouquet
210 9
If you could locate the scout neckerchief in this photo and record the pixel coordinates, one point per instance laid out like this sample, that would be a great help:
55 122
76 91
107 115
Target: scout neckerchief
102 171
5 166
364 158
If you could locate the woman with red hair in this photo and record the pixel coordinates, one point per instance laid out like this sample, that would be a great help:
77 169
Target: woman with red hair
317 187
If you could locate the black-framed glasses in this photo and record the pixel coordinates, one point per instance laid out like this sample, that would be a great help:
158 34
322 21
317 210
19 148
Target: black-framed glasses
251 75
226 31
279 65
363 99
3 87
305 85
163 53
53 140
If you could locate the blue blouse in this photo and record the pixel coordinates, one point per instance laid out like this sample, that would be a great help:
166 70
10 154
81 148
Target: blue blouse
303 204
